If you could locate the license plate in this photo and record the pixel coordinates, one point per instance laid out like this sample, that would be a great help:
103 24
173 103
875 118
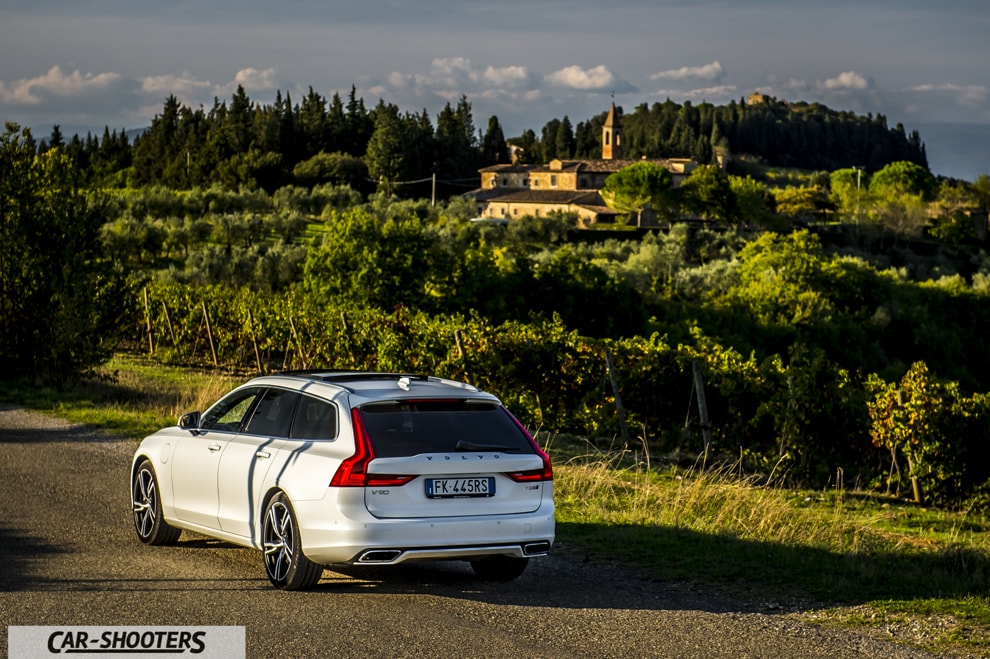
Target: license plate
445 488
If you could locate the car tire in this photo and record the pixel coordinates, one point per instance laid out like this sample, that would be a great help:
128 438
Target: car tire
285 564
499 568
146 506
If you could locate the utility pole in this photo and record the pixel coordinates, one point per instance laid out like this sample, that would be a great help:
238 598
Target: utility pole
859 174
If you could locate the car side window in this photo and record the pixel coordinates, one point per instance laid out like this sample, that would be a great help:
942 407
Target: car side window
315 419
273 414
231 412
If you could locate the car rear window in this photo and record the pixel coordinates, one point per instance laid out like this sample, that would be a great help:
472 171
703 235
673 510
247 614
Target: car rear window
404 428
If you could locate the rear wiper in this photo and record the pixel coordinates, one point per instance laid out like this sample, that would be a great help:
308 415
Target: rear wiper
463 445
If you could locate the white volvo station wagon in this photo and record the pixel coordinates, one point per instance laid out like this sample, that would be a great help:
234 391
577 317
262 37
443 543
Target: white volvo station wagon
316 468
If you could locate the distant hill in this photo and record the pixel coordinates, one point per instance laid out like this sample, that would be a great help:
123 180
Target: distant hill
958 150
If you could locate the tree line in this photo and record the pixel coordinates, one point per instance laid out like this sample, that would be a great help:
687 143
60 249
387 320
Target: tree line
241 143
773 132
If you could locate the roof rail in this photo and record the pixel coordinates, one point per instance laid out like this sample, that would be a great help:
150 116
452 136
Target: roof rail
343 376
347 375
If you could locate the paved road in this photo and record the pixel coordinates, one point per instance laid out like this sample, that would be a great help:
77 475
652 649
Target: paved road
68 556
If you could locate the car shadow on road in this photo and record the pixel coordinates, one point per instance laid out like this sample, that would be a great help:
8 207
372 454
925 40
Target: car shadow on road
555 581
694 570
195 541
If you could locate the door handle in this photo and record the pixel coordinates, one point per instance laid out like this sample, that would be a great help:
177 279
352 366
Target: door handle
262 454
214 447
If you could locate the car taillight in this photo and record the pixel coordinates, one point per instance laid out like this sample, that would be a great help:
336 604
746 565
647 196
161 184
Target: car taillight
386 480
529 476
544 474
353 472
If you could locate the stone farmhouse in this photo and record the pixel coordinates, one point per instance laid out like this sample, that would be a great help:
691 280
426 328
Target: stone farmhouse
512 191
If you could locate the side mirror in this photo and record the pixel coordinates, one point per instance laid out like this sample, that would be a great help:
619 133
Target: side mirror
190 421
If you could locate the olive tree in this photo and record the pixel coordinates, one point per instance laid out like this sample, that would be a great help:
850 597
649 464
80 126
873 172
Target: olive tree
638 186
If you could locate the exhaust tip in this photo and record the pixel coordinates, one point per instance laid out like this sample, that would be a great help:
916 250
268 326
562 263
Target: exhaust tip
536 548
379 556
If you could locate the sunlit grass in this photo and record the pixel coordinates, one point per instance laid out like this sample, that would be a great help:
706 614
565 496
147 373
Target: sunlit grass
130 395
854 558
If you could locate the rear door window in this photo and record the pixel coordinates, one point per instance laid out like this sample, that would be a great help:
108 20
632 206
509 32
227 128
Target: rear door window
405 428
273 415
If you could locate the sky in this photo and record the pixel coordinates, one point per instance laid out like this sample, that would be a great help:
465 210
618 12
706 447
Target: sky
89 64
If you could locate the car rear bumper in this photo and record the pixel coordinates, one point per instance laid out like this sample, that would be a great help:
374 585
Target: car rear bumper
364 539
395 556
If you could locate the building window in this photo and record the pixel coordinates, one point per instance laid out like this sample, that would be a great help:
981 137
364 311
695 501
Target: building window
525 182
515 211
505 181
584 183
553 180
536 183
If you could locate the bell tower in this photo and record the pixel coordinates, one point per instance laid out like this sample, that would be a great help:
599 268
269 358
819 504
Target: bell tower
612 136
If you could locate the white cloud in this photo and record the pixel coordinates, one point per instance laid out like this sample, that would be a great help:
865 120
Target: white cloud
184 87
448 78
56 84
457 73
451 72
714 93
254 80
109 98
846 80
712 71
598 78
514 77
974 96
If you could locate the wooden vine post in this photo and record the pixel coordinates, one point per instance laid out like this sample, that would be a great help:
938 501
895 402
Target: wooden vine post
209 335
623 428
254 341
299 348
168 322
147 323
699 388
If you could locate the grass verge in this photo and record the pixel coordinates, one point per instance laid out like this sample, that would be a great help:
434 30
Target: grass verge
837 557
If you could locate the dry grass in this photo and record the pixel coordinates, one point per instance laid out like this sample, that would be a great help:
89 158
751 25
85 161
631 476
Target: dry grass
621 487
718 524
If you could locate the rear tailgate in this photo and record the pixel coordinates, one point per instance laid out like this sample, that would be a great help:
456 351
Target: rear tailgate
454 484
450 457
